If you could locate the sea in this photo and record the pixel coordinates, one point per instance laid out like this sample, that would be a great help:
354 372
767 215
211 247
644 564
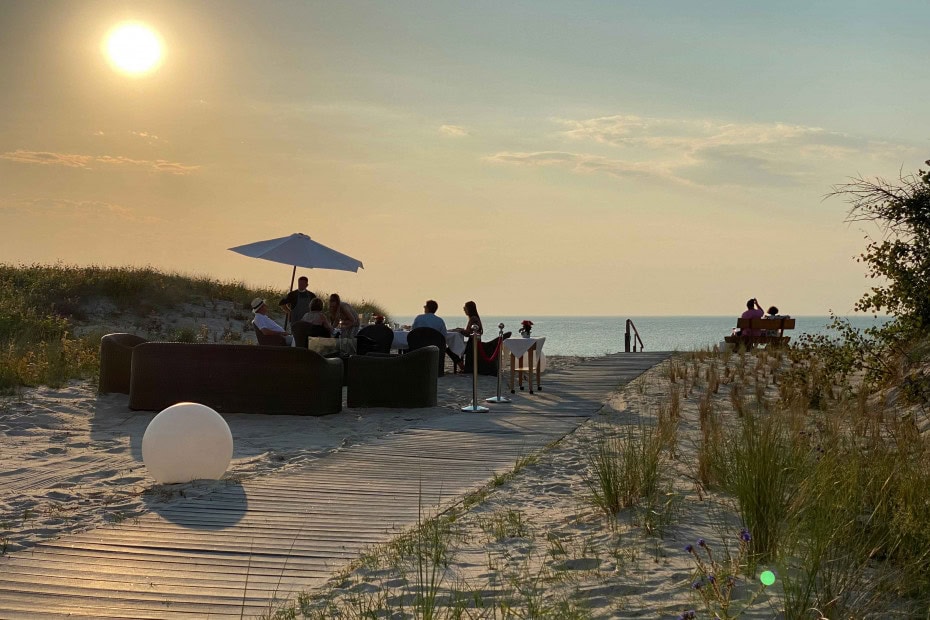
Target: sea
592 336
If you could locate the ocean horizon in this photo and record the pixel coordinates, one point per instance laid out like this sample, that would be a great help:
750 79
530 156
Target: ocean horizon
592 336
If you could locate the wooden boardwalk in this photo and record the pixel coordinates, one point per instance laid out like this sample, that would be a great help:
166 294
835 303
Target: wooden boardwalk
233 552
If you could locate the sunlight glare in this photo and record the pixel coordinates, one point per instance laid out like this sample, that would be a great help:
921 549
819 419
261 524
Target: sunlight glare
133 48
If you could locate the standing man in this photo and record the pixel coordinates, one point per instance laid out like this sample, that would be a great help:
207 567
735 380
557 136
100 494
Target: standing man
297 302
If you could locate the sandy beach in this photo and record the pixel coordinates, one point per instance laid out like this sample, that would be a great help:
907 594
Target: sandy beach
71 459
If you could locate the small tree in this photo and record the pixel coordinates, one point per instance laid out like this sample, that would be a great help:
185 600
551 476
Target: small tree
902 256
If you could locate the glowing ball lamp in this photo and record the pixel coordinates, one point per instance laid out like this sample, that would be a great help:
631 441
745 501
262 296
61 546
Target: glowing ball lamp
185 442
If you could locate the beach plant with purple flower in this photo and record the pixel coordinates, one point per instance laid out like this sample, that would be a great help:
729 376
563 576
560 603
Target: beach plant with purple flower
716 577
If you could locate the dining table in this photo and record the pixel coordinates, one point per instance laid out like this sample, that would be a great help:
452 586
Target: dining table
454 340
528 351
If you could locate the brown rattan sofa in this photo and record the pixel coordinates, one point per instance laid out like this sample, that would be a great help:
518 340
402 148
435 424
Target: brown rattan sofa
235 378
115 360
394 380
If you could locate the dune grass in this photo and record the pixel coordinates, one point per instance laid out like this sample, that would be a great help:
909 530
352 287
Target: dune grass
42 305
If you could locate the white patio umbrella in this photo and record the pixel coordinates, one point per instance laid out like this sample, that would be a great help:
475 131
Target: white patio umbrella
299 250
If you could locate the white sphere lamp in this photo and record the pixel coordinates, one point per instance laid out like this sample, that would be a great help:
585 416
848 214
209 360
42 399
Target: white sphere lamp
187 441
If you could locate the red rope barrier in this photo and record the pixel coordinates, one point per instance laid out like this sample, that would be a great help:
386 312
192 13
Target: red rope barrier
497 350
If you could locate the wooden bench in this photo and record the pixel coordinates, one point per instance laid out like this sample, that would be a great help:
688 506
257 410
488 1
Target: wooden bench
764 325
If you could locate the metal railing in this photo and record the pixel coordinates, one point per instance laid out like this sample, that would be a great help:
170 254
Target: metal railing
627 338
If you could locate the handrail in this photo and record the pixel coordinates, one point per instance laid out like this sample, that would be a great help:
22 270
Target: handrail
626 338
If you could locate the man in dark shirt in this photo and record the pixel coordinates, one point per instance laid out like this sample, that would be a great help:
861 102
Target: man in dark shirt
297 302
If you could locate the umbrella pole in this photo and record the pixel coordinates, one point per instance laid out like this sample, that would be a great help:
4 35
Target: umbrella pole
288 315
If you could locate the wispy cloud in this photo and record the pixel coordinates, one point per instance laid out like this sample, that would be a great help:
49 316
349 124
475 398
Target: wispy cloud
701 152
586 163
92 162
148 137
48 159
453 131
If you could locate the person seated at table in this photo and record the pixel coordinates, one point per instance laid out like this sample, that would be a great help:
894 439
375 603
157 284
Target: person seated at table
266 324
429 318
474 320
344 316
316 317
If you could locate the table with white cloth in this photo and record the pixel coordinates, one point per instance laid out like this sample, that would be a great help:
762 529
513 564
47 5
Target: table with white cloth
454 340
528 351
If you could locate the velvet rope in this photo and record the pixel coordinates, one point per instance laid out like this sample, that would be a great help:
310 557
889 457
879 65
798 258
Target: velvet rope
497 350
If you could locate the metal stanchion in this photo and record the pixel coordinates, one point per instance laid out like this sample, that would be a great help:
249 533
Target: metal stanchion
500 364
475 407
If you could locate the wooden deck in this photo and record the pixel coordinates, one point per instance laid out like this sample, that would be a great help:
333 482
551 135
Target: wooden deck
232 553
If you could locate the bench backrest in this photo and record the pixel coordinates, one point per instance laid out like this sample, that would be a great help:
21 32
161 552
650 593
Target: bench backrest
765 323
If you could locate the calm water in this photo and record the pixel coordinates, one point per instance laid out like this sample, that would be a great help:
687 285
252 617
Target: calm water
591 336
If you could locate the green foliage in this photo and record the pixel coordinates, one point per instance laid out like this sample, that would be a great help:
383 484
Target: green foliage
625 469
901 259
762 466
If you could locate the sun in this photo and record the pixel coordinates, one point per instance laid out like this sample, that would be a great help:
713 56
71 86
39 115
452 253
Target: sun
133 48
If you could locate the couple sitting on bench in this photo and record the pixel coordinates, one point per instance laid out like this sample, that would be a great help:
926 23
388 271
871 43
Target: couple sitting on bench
758 327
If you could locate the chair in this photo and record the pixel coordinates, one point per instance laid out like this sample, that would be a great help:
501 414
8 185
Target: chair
365 345
394 380
484 367
381 334
116 362
275 340
424 337
303 330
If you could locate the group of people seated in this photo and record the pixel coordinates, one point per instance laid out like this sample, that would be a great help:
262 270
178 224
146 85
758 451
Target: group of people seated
303 306
755 311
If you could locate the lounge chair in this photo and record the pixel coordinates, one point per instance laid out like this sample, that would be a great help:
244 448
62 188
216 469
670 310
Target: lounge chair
276 340
394 380
116 361
381 334
489 347
424 337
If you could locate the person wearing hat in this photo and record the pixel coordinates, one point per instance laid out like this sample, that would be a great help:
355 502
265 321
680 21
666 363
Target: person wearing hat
266 324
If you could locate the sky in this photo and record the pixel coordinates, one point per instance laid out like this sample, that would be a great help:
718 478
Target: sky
539 158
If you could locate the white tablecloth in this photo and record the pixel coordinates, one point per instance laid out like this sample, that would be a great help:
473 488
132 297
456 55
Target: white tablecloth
519 346
454 340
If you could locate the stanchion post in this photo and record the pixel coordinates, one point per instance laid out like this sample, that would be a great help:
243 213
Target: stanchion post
475 407
500 358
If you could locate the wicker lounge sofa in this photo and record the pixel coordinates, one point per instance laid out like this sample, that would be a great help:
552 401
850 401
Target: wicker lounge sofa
235 378
115 360
377 380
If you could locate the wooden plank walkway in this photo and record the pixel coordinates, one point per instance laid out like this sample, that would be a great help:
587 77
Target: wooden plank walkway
230 554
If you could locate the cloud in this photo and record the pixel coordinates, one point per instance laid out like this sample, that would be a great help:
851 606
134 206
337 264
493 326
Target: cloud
88 162
148 137
48 159
453 131
702 152
586 163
